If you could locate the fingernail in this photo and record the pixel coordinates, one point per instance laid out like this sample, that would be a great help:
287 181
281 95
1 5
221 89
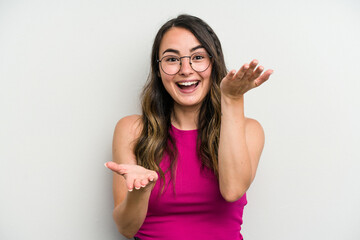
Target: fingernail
143 185
105 165
137 188
151 179
130 190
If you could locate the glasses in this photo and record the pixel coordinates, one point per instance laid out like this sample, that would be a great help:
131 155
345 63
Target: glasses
171 64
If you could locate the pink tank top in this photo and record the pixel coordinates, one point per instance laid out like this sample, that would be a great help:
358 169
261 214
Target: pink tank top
197 211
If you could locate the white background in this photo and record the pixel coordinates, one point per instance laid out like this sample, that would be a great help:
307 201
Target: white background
69 70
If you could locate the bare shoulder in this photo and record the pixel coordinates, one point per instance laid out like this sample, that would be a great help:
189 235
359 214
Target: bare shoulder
254 126
127 131
255 136
130 125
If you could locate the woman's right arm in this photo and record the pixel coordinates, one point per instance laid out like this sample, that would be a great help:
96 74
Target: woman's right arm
132 184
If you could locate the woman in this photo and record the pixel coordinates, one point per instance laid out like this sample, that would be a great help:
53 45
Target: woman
182 168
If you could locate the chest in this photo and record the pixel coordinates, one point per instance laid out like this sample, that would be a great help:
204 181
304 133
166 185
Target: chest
195 188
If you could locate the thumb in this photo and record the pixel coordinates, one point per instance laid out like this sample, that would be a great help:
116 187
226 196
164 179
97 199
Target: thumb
117 168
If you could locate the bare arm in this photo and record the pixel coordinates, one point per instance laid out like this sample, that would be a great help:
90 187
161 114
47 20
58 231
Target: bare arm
241 139
132 184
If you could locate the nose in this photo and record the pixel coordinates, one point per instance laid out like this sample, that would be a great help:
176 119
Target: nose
185 66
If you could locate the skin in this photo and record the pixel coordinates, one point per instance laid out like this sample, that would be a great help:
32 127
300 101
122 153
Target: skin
241 138
186 105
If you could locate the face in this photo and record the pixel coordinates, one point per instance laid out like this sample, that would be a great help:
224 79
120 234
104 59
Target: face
188 88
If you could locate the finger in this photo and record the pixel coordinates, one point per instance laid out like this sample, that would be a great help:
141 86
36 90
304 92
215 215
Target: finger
130 183
151 177
242 71
250 71
230 75
263 78
137 184
118 168
154 176
254 63
257 73
144 182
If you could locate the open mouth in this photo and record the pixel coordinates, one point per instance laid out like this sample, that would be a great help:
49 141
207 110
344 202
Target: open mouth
188 85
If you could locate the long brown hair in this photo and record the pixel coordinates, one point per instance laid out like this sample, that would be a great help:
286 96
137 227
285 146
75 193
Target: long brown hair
157 105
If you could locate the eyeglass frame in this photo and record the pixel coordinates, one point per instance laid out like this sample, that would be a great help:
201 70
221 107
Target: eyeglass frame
159 61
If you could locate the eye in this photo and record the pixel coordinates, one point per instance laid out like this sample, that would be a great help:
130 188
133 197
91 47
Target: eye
171 59
199 56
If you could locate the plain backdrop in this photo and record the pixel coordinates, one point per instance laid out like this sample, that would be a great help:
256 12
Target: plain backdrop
69 70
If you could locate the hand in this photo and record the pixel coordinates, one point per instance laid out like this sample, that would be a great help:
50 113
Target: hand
135 175
235 85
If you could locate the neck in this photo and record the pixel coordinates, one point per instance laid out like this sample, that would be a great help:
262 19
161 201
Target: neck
185 118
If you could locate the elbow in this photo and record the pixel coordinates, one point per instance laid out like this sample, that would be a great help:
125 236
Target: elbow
126 231
128 235
232 197
233 194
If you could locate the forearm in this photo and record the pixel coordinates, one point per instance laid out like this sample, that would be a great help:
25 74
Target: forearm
234 160
130 214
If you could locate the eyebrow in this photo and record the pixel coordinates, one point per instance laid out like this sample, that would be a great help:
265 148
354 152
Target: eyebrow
177 51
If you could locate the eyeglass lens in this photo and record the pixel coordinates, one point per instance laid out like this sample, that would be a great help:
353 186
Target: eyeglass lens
171 64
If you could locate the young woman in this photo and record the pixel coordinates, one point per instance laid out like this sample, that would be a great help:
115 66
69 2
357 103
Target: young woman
182 168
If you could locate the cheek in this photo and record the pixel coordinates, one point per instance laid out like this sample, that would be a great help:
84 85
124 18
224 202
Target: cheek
207 77
207 73
166 81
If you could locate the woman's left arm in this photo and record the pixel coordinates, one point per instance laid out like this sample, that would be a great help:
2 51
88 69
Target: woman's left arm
241 139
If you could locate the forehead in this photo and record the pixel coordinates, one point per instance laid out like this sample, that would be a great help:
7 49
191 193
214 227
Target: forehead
179 39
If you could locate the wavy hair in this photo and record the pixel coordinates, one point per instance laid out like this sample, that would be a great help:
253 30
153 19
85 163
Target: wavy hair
157 105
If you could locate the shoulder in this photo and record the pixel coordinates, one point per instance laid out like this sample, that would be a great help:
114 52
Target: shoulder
129 126
254 130
253 125
127 131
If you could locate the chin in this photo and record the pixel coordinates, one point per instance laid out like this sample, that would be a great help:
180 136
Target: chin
188 103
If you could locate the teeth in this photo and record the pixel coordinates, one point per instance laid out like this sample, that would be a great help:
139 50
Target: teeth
187 83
